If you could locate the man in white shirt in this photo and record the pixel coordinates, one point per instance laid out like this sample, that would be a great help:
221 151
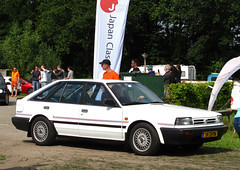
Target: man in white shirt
44 73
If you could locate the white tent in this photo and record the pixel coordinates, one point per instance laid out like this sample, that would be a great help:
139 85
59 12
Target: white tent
228 69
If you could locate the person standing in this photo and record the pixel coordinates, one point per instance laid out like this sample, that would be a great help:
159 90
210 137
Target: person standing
44 74
174 73
178 73
109 74
36 77
134 65
70 73
59 73
236 122
150 71
167 79
53 75
14 81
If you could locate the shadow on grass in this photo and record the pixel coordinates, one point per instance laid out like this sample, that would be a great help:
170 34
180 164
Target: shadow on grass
115 146
178 151
96 144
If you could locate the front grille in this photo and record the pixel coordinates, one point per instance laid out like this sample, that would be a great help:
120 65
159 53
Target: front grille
204 121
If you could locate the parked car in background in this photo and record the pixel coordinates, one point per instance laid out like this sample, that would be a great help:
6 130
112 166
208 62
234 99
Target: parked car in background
4 92
116 110
8 82
213 77
26 86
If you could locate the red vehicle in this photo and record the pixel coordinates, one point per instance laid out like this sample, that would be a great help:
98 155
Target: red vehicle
26 85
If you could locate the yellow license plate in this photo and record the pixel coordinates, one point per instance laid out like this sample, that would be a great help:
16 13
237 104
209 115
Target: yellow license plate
210 134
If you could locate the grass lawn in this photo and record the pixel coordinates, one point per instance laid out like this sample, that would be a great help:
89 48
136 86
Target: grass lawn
229 140
22 95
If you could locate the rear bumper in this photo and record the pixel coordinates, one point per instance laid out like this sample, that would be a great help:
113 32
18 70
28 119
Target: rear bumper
3 97
21 123
182 136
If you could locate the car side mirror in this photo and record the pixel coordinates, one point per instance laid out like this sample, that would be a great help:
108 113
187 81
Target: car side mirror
22 83
109 102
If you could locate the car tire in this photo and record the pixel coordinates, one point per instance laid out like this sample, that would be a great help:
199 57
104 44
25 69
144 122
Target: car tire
29 91
6 102
42 131
144 139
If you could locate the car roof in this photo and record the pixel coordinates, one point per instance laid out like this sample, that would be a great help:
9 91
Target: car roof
99 80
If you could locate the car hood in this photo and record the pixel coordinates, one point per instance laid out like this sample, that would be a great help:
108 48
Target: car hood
165 112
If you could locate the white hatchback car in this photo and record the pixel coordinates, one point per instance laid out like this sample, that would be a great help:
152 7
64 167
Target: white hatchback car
113 110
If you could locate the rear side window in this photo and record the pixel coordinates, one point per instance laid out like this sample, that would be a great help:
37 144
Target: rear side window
46 93
70 92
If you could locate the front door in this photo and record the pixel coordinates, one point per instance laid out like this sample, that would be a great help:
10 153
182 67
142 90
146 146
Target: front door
98 120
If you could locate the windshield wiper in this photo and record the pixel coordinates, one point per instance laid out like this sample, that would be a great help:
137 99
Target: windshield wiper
133 103
156 102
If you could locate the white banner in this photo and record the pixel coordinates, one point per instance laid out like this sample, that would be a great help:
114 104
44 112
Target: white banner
111 18
228 69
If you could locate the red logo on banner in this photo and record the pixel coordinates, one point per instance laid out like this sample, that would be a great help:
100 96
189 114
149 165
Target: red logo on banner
108 5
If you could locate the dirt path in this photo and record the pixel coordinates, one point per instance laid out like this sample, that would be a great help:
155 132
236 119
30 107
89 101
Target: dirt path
21 153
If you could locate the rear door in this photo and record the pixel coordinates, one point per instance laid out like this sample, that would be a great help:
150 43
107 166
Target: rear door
65 108
61 104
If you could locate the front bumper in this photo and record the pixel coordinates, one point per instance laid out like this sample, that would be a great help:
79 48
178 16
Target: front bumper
21 123
185 136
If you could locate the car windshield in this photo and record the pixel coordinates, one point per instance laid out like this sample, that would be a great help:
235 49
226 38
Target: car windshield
133 93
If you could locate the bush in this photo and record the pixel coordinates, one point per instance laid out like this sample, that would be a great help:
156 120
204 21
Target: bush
197 95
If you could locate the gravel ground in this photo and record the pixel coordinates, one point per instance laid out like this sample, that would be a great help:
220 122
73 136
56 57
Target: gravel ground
17 151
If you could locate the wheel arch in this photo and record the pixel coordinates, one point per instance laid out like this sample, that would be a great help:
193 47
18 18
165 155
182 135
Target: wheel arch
33 118
127 134
30 88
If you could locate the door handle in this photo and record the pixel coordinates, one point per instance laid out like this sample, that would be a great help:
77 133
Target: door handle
46 107
84 110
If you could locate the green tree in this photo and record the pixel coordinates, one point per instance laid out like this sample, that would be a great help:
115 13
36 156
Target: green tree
200 32
23 49
68 27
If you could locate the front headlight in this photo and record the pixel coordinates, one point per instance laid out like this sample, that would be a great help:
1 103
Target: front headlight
219 119
183 121
1 91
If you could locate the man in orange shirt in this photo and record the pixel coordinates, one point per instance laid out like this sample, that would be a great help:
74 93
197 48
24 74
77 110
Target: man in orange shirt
14 80
109 74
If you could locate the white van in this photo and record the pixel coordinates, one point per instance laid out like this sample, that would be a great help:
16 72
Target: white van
188 71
